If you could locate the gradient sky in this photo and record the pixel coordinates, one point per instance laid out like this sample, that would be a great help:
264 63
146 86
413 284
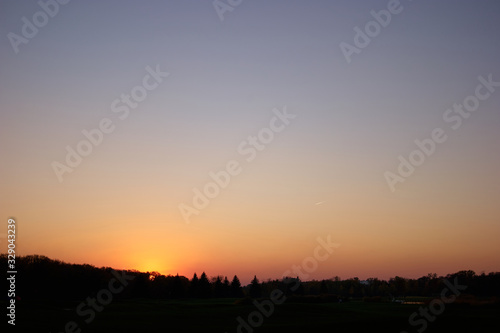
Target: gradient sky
119 207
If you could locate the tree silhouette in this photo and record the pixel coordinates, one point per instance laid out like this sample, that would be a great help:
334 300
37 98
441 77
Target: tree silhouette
51 280
177 287
398 286
218 288
236 290
300 288
323 289
293 286
255 288
194 286
226 288
204 286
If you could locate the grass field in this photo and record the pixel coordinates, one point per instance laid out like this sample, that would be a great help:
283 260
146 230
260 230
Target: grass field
219 315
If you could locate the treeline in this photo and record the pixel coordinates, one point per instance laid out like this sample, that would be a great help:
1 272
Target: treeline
39 277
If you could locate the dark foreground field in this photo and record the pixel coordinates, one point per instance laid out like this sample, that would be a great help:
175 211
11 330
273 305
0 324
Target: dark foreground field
220 316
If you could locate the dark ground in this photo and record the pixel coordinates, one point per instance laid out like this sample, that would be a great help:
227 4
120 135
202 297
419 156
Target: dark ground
219 315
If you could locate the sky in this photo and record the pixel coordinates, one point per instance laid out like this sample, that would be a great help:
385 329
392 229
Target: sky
306 112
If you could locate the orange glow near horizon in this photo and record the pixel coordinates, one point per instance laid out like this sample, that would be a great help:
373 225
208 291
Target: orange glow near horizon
381 234
212 247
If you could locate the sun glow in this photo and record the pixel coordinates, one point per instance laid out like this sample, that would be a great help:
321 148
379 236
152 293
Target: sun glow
148 263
